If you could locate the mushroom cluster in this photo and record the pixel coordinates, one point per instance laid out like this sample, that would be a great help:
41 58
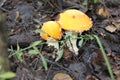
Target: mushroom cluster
71 20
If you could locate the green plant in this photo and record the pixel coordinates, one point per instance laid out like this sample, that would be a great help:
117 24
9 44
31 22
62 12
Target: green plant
32 50
7 75
59 54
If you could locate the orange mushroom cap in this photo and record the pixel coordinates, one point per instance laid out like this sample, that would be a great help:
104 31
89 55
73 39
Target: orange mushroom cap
74 20
51 29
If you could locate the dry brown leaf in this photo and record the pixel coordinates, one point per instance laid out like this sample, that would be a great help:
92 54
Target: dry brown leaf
103 11
117 73
116 24
111 28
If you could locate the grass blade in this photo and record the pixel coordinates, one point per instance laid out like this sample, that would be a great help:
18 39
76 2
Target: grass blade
105 57
44 62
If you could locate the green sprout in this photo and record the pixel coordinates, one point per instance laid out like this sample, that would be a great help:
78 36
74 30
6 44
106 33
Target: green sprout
34 51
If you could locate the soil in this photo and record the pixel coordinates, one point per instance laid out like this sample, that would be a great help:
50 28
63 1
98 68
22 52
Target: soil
23 17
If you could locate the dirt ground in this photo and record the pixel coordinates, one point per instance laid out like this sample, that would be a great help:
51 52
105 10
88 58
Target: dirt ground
23 17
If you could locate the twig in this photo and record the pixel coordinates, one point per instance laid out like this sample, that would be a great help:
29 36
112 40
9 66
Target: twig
58 65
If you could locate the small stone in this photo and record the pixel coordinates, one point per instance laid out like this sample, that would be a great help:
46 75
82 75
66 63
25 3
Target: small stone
62 76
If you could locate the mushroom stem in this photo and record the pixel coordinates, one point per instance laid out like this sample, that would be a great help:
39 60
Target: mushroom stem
53 42
71 43
73 40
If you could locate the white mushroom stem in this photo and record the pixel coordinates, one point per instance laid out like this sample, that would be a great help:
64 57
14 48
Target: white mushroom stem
53 42
73 40
71 43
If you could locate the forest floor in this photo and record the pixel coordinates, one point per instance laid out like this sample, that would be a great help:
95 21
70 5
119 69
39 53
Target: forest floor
23 17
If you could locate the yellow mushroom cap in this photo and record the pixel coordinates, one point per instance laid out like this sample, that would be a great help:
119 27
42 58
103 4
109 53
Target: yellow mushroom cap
74 20
51 29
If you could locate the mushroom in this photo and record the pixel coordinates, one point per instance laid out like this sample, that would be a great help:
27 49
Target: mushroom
51 32
75 21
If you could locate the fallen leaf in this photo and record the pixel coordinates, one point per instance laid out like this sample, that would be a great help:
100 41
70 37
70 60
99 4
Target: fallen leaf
103 11
111 28
117 73
116 23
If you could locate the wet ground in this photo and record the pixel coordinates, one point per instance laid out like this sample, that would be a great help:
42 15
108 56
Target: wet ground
24 17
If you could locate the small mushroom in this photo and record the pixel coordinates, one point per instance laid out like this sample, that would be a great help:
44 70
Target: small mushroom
75 21
51 32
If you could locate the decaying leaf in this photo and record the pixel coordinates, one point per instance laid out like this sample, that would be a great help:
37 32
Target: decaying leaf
117 73
102 11
111 28
116 24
